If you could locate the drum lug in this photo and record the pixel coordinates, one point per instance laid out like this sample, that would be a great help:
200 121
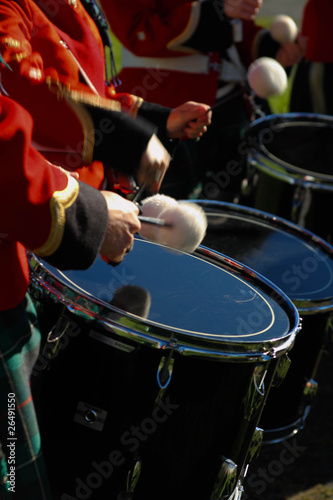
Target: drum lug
301 204
226 480
133 476
164 374
255 393
255 446
309 391
59 329
54 336
281 370
249 183
132 480
164 371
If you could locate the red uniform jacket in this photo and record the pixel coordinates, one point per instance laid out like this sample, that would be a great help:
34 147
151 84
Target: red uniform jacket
38 206
47 44
160 63
317 26
158 29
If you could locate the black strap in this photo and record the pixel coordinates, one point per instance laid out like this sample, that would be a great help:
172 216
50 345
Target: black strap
96 13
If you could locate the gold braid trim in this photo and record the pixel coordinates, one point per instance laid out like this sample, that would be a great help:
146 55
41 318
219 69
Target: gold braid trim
176 43
58 203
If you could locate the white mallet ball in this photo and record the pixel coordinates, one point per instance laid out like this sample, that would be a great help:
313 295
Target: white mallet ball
267 77
188 220
152 207
283 29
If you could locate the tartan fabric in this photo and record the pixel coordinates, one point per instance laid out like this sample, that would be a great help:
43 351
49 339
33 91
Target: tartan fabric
19 348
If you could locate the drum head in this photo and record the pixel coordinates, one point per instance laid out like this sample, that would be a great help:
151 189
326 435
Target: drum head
300 143
295 260
201 302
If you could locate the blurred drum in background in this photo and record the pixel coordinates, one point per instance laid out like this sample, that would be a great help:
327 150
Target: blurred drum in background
290 169
155 373
301 264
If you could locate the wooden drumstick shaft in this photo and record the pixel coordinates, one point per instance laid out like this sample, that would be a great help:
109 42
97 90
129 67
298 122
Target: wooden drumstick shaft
153 220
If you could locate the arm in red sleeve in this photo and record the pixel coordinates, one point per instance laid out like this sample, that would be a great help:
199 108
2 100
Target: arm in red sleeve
42 74
33 51
42 207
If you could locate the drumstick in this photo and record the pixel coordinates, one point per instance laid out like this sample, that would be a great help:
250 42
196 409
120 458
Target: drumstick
222 101
154 220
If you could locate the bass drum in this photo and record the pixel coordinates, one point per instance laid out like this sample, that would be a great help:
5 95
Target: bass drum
155 373
299 263
290 169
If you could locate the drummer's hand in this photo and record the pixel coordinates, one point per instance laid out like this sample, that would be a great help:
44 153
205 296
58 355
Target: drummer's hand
123 223
291 53
242 9
190 120
153 165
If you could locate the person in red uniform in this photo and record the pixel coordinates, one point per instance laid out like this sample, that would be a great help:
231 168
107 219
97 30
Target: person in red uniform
68 223
311 90
178 50
55 45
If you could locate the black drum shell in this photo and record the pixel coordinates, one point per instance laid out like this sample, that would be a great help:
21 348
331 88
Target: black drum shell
203 419
103 366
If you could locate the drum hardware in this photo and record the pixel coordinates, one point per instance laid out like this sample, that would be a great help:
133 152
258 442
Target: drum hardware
90 416
309 393
281 370
301 204
310 390
255 393
249 183
131 481
61 326
164 374
256 444
53 341
226 480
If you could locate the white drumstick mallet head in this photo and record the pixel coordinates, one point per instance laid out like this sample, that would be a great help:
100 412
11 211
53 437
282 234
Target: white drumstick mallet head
283 29
267 77
188 222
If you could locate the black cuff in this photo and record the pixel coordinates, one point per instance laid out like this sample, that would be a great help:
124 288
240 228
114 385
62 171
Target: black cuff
214 31
86 223
120 140
156 114
159 115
